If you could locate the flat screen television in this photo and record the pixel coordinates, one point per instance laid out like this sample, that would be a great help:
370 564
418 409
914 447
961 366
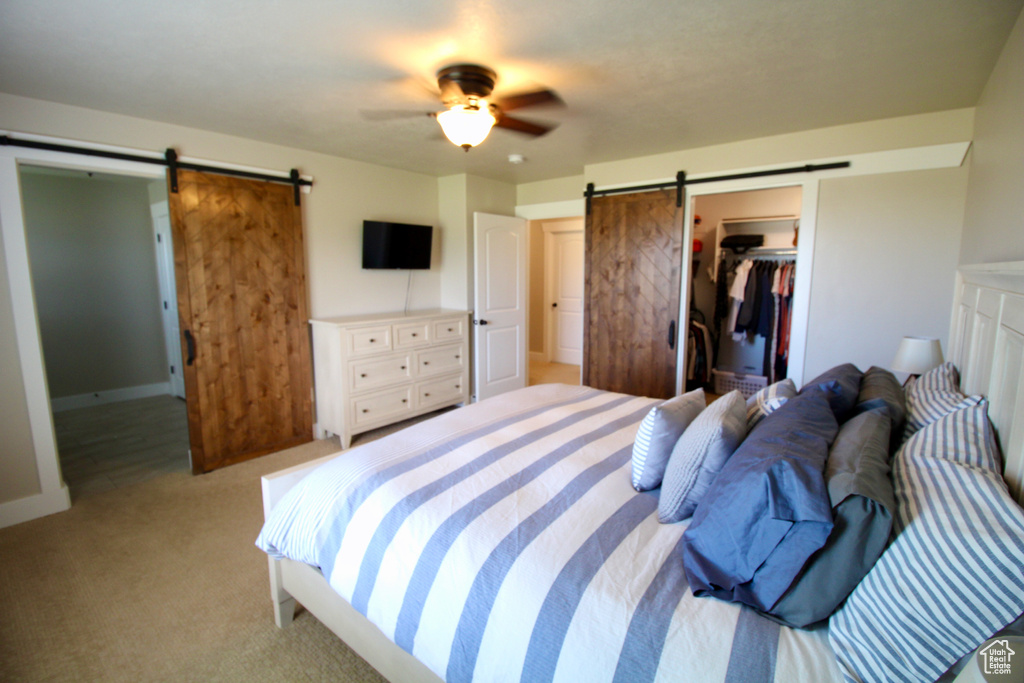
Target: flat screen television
396 245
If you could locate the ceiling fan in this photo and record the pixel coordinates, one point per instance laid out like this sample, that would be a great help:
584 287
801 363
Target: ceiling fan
465 91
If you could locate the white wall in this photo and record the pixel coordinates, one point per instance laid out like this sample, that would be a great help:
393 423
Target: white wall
95 281
885 255
994 217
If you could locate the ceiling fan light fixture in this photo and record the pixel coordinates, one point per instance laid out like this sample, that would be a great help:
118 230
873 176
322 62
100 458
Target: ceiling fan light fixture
466 126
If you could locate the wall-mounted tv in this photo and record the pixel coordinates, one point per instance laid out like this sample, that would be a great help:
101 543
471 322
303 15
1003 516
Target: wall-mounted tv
396 245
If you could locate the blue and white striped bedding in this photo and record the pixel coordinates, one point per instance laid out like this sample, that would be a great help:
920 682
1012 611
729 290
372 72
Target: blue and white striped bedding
503 542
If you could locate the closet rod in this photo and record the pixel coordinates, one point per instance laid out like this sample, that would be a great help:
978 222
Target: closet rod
170 159
681 179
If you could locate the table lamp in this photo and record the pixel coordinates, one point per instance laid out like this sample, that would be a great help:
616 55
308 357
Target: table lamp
917 355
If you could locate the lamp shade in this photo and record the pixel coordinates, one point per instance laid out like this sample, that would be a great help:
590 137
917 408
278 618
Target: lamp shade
466 126
917 355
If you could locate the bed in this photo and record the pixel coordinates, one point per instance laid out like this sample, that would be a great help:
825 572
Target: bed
504 540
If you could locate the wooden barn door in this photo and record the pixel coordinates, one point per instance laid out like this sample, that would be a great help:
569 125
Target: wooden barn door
241 282
633 268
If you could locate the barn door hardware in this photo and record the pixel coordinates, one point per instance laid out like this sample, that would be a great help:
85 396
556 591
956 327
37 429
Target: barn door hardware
169 159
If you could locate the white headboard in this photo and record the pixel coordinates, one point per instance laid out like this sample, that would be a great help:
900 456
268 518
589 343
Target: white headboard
987 345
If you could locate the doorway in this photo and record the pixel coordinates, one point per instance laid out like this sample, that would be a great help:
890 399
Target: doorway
94 254
556 300
722 355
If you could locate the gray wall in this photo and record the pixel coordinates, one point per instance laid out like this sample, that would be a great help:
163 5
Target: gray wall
94 275
885 256
994 219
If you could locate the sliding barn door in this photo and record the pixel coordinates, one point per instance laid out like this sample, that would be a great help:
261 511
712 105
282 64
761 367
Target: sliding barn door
241 281
633 268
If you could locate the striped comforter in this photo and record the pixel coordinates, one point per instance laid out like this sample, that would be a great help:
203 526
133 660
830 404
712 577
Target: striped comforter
503 542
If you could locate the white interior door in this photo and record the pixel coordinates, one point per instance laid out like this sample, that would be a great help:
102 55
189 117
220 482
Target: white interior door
168 294
499 304
563 253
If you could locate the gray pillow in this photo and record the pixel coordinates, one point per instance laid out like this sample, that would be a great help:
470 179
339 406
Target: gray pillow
880 384
863 505
699 456
658 434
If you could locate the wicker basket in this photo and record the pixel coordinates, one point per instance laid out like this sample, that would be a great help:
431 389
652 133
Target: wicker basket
748 385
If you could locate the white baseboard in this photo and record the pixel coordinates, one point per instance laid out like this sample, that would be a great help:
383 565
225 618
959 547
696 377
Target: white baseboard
63 403
34 506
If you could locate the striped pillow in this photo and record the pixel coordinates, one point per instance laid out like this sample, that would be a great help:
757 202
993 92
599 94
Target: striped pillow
768 400
658 434
933 395
954 572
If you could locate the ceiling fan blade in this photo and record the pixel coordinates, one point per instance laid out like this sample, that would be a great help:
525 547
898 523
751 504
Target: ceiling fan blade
392 114
521 126
528 99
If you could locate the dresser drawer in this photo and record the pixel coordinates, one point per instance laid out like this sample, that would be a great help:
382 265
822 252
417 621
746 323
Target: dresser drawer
390 403
445 330
438 391
367 340
379 372
437 360
411 334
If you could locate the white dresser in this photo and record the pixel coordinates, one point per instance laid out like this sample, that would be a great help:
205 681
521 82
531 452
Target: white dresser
374 370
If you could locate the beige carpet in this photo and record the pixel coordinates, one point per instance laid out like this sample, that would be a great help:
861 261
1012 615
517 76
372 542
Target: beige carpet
159 581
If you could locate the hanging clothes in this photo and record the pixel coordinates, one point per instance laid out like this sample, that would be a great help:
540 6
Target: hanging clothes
737 293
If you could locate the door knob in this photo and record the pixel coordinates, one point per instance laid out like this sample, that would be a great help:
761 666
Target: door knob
480 322
554 305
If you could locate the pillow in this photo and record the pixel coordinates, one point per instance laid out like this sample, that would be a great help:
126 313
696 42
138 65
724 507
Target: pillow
954 572
880 387
768 400
863 505
699 456
658 434
767 511
842 384
933 395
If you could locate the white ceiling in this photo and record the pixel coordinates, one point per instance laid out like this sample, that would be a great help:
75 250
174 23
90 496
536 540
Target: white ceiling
638 78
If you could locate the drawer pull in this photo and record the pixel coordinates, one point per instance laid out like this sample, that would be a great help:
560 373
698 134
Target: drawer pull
458 386
427 394
449 329
426 362
373 341
414 334
457 356
363 374
405 400
366 410
402 367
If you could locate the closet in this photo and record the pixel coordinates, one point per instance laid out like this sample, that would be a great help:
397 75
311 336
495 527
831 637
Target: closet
742 296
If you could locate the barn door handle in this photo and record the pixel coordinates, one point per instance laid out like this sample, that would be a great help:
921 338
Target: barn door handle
190 342
672 335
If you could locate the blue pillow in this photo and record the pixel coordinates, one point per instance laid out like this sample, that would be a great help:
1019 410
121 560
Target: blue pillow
768 509
842 385
863 505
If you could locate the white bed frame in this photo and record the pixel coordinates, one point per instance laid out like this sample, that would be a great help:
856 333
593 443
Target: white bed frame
986 344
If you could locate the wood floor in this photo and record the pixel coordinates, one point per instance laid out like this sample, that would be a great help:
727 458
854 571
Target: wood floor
553 373
117 444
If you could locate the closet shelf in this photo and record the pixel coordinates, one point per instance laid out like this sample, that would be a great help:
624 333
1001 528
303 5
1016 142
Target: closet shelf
779 232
